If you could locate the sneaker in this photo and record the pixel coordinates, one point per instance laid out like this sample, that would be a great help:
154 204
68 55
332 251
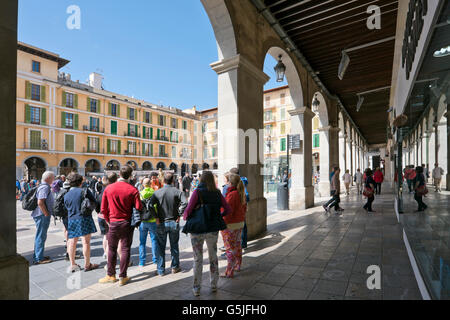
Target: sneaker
45 261
176 270
196 291
108 279
161 274
222 249
123 281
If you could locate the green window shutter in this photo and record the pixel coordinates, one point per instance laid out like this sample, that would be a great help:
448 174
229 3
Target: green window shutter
113 127
43 116
27 113
128 129
108 146
63 120
128 113
118 110
109 109
28 90
42 93
75 101
88 147
118 146
143 132
64 100
157 134
75 124
136 130
88 104
99 106
151 133
151 150
171 134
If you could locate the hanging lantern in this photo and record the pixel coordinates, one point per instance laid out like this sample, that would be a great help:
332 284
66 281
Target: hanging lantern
280 70
315 104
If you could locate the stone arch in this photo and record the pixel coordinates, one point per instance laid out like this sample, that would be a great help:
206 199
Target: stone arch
222 24
133 164
34 167
147 166
161 165
194 168
68 165
173 166
113 164
92 165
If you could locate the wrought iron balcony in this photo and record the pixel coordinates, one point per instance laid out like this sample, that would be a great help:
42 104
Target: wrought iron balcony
36 145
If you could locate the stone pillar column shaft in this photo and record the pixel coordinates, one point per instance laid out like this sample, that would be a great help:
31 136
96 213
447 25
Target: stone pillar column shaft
448 147
342 151
329 158
302 191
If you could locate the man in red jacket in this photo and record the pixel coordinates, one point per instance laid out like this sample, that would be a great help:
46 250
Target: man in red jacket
118 202
378 178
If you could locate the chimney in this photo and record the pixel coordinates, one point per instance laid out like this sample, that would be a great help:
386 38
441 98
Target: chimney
95 80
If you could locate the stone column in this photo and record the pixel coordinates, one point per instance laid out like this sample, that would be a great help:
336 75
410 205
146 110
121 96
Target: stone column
431 147
350 155
240 115
448 147
302 191
442 153
329 158
14 281
436 141
342 150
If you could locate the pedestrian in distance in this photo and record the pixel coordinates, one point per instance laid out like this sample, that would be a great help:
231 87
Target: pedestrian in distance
369 190
170 204
359 181
186 182
207 195
420 189
42 215
378 178
155 183
335 190
118 202
79 225
235 221
437 174
347 180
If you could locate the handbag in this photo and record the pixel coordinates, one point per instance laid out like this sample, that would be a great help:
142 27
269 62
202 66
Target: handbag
422 190
204 220
368 192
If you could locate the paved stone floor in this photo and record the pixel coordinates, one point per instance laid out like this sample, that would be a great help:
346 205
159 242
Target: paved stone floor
304 255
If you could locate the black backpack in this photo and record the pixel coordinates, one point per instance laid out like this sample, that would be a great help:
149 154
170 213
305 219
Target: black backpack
59 209
29 203
87 206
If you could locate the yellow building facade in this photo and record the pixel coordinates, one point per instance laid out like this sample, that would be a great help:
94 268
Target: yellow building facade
64 125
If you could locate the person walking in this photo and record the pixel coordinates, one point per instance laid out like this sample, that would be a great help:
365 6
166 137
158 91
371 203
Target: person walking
359 180
78 224
437 174
208 195
335 190
347 180
186 183
42 215
420 189
426 172
369 190
118 202
378 178
147 227
410 174
155 183
24 188
170 204
235 220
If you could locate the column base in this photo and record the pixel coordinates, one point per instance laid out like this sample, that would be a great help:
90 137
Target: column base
448 181
14 278
256 218
301 198
324 189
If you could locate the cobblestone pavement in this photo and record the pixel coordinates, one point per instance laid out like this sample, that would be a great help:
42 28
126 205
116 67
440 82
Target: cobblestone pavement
50 281
304 255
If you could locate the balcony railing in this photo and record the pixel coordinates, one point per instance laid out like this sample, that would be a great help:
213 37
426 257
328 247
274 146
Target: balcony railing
162 139
38 145
134 135
147 154
94 129
91 150
163 155
130 153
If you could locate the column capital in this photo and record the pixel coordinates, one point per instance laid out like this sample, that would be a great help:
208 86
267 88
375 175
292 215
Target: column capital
330 128
302 111
236 62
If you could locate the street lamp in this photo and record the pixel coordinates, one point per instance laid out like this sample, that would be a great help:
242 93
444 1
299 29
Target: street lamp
280 69
315 104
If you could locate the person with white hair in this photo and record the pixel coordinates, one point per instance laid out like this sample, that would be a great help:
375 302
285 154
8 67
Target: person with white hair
42 215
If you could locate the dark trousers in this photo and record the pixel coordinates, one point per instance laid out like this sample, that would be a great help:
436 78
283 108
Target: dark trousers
123 232
368 205
244 236
378 187
422 206
410 185
334 201
172 230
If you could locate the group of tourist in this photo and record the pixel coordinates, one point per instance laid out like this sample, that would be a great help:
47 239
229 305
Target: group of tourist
117 199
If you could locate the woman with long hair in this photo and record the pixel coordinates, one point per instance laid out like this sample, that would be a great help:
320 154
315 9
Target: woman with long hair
208 195
369 190
235 223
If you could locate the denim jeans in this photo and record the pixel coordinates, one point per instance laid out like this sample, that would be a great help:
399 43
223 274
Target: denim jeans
244 236
144 229
42 224
172 229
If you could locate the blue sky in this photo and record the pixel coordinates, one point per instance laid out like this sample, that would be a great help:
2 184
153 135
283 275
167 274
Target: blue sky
154 50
